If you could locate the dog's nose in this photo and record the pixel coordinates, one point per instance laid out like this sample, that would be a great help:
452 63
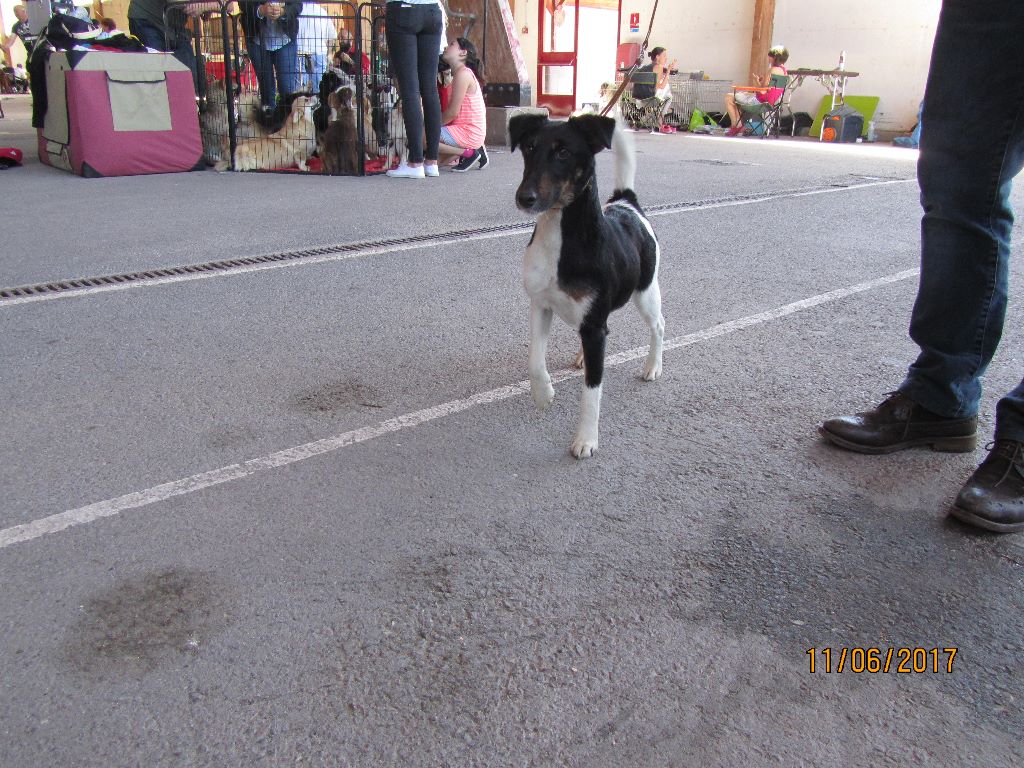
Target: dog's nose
526 198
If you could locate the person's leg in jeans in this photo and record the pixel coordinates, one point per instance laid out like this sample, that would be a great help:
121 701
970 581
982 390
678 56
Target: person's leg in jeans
185 52
263 65
965 183
149 35
286 66
180 45
965 179
402 26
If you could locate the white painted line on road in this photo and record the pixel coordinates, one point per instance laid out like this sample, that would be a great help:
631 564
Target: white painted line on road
399 247
187 485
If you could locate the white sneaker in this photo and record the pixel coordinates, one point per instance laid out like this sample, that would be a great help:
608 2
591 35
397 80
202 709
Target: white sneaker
431 170
404 171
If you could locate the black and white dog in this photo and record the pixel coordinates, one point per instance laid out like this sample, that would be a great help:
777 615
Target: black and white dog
584 261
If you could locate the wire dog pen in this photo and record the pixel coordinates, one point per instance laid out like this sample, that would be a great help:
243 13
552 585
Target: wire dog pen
291 86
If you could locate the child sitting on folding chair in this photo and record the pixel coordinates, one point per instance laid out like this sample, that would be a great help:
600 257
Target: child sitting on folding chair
754 100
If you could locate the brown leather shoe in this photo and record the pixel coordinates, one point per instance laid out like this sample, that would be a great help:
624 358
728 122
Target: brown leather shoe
899 423
993 497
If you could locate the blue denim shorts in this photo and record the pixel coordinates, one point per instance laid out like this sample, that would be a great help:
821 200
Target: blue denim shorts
447 138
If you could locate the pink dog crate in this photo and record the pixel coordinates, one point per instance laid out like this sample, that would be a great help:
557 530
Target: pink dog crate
120 114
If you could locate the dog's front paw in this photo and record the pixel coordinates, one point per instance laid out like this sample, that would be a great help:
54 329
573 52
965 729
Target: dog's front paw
543 392
652 370
584 445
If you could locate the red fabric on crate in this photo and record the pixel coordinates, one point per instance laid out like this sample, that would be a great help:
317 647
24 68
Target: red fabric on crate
94 143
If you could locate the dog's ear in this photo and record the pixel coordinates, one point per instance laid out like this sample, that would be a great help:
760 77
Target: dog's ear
521 127
597 130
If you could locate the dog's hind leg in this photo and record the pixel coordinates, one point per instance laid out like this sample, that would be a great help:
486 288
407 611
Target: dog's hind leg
540 381
584 444
649 303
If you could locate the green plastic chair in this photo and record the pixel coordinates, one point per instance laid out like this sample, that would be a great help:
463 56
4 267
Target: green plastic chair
770 115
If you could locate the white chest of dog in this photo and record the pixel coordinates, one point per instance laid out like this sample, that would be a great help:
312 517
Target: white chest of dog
540 272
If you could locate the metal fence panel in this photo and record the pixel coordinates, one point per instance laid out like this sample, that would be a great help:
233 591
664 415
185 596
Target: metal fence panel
290 86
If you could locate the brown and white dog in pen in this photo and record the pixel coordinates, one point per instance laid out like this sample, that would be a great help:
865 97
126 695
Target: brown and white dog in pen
292 145
339 144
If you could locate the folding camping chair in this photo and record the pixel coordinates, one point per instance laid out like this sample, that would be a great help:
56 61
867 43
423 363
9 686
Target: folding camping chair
643 113
768 114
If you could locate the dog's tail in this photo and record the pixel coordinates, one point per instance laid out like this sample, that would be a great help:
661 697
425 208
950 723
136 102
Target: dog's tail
625 156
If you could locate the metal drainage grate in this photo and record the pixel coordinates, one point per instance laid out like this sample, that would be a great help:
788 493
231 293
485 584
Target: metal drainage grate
226 265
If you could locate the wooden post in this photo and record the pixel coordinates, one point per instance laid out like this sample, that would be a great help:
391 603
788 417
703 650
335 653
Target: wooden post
761 40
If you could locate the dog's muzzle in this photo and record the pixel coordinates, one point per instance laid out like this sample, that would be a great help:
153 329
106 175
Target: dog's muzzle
526 199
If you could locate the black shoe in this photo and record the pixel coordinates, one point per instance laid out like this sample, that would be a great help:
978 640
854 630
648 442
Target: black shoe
900 423
993 497
465 163
483 158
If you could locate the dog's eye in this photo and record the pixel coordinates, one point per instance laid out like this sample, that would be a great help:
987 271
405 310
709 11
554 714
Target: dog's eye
563 154
528 146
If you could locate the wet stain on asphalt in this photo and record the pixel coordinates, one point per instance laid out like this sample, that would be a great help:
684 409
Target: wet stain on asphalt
144 623
336 397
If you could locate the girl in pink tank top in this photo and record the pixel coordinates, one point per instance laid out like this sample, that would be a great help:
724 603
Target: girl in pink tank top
464 119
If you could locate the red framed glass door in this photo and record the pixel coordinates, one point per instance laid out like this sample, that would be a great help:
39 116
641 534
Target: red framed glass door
559 27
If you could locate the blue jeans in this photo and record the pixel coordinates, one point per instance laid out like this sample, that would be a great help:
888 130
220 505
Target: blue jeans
977 70
414 44
155 37
282 64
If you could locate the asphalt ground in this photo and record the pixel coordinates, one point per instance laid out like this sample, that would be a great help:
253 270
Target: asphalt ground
308 515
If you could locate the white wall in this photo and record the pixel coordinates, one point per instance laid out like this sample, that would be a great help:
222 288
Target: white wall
887 41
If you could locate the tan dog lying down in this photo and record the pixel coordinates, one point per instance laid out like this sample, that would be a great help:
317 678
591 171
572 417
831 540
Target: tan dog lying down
292 145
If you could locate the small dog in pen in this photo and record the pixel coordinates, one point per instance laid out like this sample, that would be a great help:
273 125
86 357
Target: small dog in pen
339 144
293 144
584 260
213 124
247 122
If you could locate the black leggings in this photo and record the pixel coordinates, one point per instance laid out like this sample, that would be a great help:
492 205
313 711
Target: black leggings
414 44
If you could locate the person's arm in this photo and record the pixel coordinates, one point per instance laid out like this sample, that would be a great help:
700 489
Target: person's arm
666 70
198 9
459 88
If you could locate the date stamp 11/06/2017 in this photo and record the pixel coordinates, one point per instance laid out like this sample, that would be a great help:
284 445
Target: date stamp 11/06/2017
905 660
